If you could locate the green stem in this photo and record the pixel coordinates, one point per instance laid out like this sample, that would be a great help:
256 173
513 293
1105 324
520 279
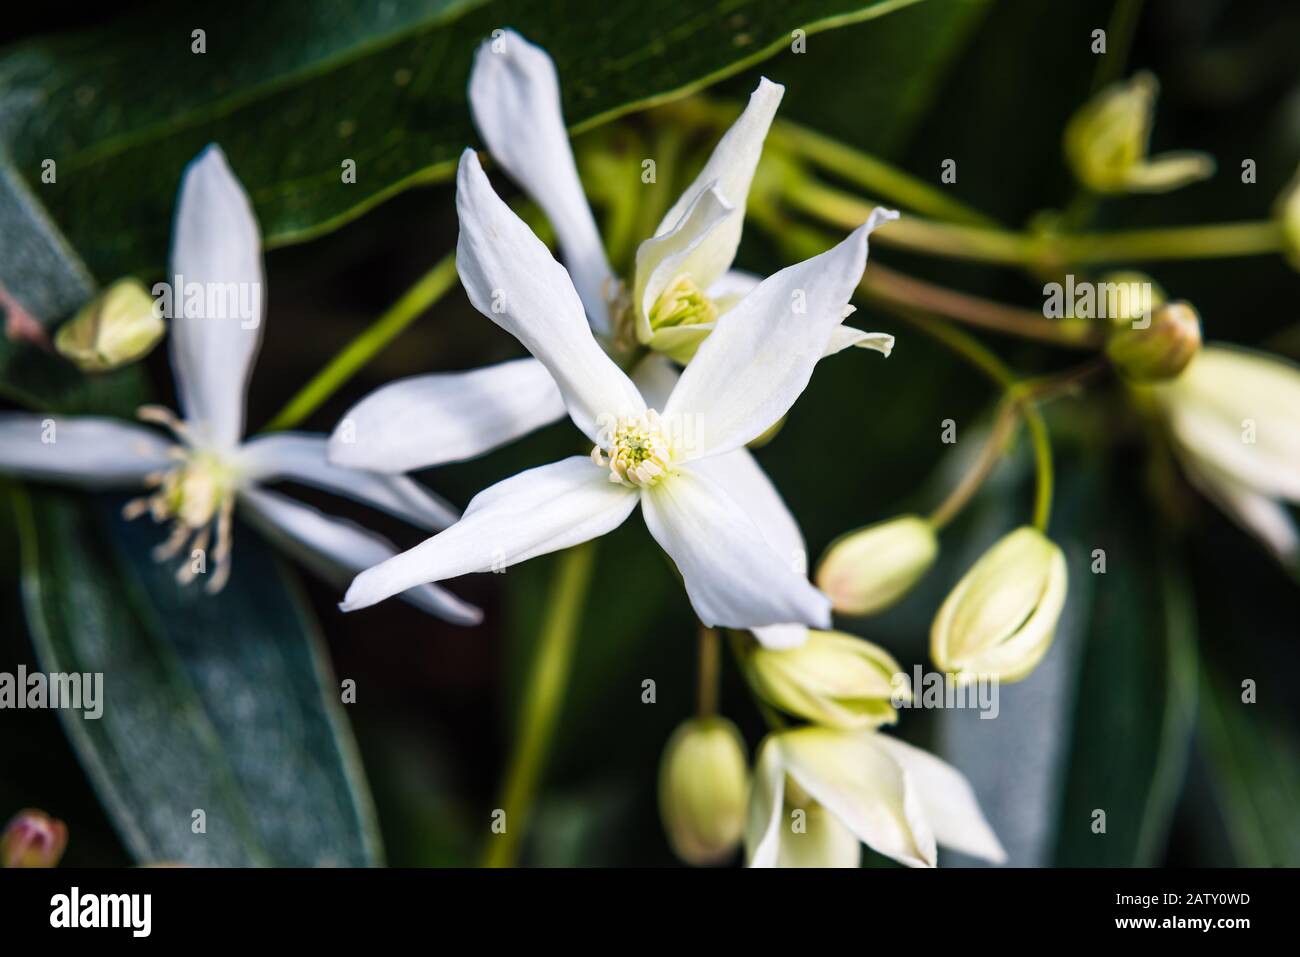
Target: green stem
431 287
710 671
1121 29
1003 427
1042 446
539 715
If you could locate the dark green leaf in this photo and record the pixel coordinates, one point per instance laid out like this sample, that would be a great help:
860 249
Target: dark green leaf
223 704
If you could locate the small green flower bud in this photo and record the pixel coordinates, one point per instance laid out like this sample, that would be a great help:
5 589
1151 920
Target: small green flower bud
832 679
119 326
867 570
1001 618
33 839
703 790
1160 351
1287 212
1107 140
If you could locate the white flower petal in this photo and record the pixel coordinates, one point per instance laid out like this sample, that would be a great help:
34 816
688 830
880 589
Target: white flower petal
86 451
655 378
336 549
766 807
824 841
845 337
1268 520
948 801
512 279
731 167
535 512
679 252
300 457
214 338
428 420
756 363
864 786
732 287
514 95
733 577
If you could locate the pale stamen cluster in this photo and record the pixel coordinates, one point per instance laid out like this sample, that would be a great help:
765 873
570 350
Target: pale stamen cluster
197 496
639 455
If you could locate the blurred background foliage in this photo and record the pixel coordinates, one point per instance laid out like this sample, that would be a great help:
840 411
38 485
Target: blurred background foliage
1137 708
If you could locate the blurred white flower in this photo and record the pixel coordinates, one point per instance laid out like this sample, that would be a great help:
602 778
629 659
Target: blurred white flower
679 463
818 793
1234 416
206 467
683 280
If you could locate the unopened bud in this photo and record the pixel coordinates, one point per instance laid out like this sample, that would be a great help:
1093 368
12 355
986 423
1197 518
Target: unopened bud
703 789
119 326
832 679
33 839
1160 351
1001 618
1287 212
867 570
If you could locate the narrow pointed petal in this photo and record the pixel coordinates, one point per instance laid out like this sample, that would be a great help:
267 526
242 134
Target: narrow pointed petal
731 167
766 808
83 450
512 279
336 549
862 785
948 801
300 457
681 251
845 337
216 250
514 94
535 512
429 420
758 360
733 577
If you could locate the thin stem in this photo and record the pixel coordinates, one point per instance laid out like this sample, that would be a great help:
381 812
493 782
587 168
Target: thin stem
1211 241
1003 428
431 287
1042 446
710 671
883 283
1120 31
539 715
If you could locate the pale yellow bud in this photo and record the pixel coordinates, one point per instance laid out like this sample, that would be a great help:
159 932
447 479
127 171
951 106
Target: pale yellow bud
703 790
832 679
1001 618
867 570
119 326
1162 350
1288 214
1107 140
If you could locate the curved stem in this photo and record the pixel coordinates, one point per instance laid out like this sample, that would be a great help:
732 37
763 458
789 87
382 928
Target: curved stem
1003 428
431 287
547 679
1042 446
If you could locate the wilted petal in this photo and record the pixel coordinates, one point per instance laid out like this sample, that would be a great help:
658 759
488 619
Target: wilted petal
535 512
514 95
216 244
336 549
86 451
299 457
845 337
733 577
512 279
758 360
445 417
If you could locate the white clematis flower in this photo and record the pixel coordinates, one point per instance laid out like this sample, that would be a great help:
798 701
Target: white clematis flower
818 793
1234 416
205 468
683 280
679 462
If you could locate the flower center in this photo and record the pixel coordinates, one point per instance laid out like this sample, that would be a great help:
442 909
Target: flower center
638 455
682 304
197 497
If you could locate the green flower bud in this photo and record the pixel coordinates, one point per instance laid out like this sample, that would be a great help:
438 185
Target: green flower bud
1001 618
703 790
117 327
1107 140
1287 212
867 570
33 839
1162 350
832 679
